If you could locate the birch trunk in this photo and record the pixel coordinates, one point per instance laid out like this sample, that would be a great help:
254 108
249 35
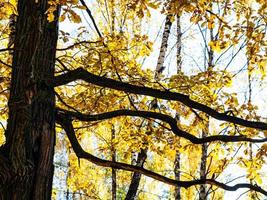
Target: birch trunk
177 160
135 181
203 165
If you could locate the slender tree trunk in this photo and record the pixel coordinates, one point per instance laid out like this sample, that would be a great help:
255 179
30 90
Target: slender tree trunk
112 16
131 194
250 144
163 47
114 182
179 44
177 160
26 160
203 166
114 178
177 175
205 131
113 134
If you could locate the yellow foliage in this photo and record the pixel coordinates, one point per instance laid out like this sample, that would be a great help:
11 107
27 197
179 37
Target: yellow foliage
218 46
119 55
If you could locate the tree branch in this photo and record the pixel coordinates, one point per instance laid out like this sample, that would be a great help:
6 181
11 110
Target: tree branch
81 74
92 18
6 49
80 153
163 117
2 62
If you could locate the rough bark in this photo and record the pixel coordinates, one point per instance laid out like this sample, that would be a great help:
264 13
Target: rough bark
26 160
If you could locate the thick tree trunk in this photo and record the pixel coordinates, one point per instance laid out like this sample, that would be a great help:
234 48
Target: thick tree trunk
26 160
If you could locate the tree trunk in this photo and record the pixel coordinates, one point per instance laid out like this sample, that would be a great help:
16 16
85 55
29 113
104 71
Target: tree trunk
114 175
203 189
177 160
26 160
136 176
159 69
179 44
163 47
177 175
203 165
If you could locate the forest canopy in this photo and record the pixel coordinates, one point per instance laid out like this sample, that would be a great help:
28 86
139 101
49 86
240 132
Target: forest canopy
142 99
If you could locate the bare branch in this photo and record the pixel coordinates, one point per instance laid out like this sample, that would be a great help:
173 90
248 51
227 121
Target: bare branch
6 49
92 18
80 153
2 62
163 117
82 74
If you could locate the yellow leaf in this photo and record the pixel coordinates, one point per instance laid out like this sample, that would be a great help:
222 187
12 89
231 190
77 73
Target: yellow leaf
50 17
62 18
211 25
74 17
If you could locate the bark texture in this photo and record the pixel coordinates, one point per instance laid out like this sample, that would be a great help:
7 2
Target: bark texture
177 175
26 160
164 46
203 167
131 194
177 160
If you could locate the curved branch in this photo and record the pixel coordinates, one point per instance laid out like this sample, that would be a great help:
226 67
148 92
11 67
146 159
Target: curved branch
163 117
81 74
80 153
